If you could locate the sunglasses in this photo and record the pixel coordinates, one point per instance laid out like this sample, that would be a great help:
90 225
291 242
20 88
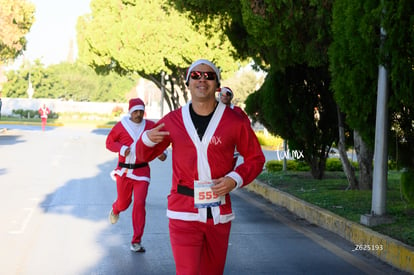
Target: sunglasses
196 75
226 93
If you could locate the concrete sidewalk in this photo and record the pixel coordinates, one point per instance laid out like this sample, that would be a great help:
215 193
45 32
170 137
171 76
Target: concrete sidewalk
394 252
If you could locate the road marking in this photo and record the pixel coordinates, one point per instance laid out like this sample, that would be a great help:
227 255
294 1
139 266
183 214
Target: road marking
26 220
346 256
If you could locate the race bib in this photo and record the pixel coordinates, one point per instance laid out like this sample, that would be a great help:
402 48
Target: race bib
204 196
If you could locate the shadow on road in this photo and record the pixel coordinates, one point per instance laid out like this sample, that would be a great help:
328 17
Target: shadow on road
101 131
113 241
10 139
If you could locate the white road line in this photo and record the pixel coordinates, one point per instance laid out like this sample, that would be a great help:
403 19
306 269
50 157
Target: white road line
25 222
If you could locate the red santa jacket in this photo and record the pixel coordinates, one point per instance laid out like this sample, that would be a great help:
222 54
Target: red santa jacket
43 112
210 158
239 111
123 135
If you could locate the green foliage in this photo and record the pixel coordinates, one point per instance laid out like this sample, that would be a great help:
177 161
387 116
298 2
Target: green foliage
291 165
147 37
16 19
354 62
407 185
29 114
68 82
242 84
269 140
332 165
117 110
277 165
355 55
392 165
25 113
272 32
286 105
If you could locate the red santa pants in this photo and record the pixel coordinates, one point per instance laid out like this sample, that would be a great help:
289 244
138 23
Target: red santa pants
199 248
125 188
44 121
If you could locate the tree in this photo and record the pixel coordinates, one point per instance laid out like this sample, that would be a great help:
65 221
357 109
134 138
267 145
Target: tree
16 19
292 40
355 55
398 54
242 84
147 38
296 105
68 82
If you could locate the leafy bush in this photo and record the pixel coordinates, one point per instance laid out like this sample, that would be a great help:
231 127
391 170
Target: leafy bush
25 113
32 114
117 111
291 165
269 140
392 165
301 165
332 164
407 185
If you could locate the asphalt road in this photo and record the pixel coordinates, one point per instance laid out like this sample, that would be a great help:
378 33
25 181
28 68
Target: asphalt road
55 194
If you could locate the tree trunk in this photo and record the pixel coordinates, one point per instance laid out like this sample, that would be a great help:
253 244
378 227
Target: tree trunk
346 164
365 158
317 165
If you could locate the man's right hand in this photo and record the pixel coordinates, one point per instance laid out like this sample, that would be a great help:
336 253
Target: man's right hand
156 135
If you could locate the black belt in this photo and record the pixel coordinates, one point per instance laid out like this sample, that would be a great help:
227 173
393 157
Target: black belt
184 190
133 165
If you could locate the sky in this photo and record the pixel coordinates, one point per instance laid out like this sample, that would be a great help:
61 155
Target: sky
53 29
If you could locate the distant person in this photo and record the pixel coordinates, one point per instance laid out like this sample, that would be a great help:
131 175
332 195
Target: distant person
44 112
226 96
204 134
132 177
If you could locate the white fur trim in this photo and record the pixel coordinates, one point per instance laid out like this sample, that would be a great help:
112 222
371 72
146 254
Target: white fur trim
189 216
147 141
237 178
137 107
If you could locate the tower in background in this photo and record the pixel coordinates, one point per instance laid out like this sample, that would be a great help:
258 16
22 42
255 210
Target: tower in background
71 54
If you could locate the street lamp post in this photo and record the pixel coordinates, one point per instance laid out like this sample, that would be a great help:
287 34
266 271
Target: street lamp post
30 90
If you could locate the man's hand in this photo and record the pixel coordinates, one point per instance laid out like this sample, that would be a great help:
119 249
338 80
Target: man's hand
223 186
156 135
127 151
162 157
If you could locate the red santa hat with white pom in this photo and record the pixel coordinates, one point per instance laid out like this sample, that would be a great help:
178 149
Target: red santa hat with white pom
136 104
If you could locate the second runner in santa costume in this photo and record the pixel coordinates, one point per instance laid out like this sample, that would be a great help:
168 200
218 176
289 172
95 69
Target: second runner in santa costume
132 176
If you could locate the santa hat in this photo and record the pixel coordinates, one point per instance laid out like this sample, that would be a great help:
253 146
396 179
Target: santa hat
206 62
226 90
136 104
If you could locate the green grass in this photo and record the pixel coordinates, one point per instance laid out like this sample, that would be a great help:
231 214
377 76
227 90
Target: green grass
331 194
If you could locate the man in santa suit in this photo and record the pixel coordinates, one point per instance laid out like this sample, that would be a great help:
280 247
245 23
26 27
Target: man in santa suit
204 134
132 176
44 112
226 96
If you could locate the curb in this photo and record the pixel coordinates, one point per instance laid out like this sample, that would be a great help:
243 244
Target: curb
394 252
